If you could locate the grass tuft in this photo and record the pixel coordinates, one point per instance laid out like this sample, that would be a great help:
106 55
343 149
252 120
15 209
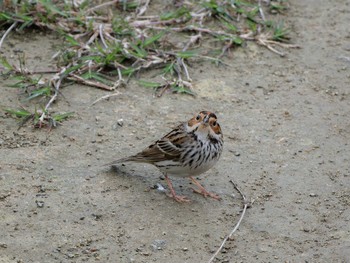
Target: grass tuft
106 44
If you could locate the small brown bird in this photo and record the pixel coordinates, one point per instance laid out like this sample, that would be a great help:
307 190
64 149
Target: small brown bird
190 149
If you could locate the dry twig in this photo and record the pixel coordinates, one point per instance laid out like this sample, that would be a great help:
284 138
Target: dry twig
106 97
56 81
245 206
100 6
261 11
90 83
8 32
143 9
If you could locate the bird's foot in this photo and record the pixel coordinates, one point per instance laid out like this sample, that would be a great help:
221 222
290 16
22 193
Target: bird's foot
201 190
205 193
180 198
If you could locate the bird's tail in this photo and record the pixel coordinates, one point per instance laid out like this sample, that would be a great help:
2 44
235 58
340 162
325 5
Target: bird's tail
134 158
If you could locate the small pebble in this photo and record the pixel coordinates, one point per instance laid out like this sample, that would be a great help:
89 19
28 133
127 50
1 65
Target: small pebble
158 244
40 204
120 122
3 245
159 187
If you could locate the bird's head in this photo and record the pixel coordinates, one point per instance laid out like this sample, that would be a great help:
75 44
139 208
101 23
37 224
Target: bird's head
204 124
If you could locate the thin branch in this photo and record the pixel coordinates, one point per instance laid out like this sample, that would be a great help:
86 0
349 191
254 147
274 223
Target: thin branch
90 83
7 32
106 97
261 11
263 43
100 6
185 69
120 81
284 45
57 79
193 39
143 9
92 38
225 48
100 27
246 204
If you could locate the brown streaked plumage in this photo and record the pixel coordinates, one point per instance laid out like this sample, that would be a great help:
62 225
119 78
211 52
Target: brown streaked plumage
190 149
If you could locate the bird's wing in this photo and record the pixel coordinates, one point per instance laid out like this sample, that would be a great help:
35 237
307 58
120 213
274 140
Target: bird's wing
167 148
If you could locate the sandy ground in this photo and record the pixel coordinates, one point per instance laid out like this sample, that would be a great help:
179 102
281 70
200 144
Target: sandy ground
287 132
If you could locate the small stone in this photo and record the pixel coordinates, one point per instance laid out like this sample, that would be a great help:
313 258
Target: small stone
39 204
158 244
120 122
3 245
159 187
307 230
185 249
97 217
20 167
313 195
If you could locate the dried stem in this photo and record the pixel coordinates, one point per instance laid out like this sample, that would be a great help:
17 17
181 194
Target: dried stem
90 83
143 9
225 48
183 64
265 44
100 27
8 32
101 5
261 11
245 206
56 80
106 97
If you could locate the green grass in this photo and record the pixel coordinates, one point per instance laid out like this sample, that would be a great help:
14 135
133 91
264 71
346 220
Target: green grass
105 49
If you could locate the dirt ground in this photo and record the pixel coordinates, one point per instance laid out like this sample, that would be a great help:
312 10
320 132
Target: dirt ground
287 134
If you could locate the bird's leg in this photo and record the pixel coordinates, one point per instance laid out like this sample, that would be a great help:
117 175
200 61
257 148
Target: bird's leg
202 190
178 198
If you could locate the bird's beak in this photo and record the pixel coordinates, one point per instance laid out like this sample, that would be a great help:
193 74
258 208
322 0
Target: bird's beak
206 120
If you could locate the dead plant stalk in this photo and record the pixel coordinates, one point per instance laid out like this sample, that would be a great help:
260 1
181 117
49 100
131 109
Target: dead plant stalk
245 206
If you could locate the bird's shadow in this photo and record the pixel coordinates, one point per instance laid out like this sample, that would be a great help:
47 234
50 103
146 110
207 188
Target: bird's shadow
148 178
152 179
125 170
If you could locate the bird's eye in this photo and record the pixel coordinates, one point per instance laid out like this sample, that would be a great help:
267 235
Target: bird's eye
214 123
198 117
